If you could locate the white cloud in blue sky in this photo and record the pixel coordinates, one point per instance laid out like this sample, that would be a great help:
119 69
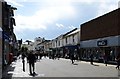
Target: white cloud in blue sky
50 18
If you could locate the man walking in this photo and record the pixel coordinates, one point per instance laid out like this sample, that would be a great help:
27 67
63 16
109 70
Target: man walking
23 61
118 61
91 58
105 58
31 60
72 58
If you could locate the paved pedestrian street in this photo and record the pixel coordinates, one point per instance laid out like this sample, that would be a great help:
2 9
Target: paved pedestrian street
63 68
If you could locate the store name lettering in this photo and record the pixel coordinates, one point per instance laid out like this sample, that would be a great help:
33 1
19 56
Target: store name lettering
102 43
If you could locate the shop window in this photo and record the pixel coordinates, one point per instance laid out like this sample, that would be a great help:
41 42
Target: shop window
66 40
73 39
59 43
112 55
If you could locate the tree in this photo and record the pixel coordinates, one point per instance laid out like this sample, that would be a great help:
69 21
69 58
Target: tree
24 49
28 41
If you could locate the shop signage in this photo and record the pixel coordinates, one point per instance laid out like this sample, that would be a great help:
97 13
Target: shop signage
102 43
6 37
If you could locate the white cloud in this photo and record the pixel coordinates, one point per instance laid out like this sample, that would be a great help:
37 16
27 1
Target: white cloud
71 27
43 17
119 4
14 3
53 10
107 6
25 22
56 3
63 1
65 27
93 1
60 25
24 0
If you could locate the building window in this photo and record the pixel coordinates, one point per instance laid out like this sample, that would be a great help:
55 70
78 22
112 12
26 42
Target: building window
66 40
56 43
59 43
73 39
53 44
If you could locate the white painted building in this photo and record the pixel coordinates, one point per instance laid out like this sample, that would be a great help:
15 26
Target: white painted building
37 42
31 46
59 41
72 38
46 44
68 40
54 43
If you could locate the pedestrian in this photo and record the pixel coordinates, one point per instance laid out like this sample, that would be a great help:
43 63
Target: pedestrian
23 61
10 58
31 61
91 58
41 56
53 56
118 61
58 56
72 58
105 59
36 54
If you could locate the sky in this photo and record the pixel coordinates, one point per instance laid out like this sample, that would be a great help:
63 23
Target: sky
51 18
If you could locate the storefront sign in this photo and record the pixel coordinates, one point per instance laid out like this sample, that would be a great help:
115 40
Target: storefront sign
102 43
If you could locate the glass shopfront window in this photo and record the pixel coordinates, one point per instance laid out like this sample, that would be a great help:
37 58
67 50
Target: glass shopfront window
99 53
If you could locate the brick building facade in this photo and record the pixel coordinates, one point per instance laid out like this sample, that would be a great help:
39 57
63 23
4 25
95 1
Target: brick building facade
101 36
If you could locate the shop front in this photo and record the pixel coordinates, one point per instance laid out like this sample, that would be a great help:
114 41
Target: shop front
0 52
6 50
71 49
108 46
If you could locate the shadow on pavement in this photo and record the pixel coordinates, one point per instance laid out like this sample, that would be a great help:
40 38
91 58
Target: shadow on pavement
33 75
75 64
95 65
8 72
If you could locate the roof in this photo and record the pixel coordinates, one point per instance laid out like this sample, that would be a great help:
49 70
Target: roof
69 32
73 32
